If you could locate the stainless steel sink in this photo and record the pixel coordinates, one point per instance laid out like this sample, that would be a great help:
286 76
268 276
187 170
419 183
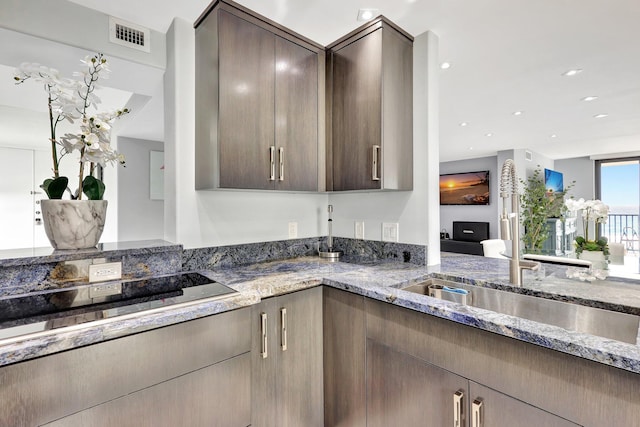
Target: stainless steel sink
579 318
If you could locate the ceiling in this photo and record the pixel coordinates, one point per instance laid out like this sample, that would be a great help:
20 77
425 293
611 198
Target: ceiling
505 55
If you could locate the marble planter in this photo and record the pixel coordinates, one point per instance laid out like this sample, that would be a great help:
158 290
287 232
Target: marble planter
597 258
73 224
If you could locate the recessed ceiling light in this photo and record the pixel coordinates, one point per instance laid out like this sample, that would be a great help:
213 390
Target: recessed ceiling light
589 98
572 73
470 148
445 65
600 116
463 124
553 136
489 134
367 14
517 113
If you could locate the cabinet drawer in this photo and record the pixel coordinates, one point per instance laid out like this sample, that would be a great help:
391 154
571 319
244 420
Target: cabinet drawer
218 395
45 389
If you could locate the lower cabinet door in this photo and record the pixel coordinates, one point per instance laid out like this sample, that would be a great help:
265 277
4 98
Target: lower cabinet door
218 395
300 391
286 367
490 408
405 391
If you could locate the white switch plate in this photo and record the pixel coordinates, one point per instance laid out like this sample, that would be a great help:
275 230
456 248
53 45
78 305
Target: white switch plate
106 271
359 230
390 231
293 230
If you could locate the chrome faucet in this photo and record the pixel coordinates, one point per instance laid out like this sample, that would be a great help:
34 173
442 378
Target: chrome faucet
510 223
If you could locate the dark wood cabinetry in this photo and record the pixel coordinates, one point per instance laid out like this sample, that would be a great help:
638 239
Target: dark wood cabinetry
370 94
257 103
514 379
296 117
246 87
404 390
195 373
286 360
261 117
344 359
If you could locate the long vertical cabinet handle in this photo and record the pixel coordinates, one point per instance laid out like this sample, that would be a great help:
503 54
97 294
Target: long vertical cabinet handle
477 413
263 334
375 162
458 408
272 160
281 160
283 329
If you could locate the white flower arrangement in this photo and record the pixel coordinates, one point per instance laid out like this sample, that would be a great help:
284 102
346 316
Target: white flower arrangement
71 100
592 210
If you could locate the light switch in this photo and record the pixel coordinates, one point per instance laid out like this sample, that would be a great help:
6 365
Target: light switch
390 231
293 230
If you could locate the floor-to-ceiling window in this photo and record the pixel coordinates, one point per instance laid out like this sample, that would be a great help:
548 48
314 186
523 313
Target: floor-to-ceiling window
618 185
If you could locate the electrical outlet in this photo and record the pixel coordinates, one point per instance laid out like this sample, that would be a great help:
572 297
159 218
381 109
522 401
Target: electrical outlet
106 271
390 231
80 268
293 230
359 229
98 291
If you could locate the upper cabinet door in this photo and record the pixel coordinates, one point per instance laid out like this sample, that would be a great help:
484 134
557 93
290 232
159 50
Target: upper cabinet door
257 103
246 90
370 91
357 110
296 117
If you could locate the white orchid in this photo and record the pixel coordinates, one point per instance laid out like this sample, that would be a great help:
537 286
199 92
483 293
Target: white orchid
574 205
71 100
592 210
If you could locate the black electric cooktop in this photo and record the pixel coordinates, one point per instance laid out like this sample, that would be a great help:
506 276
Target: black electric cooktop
46 310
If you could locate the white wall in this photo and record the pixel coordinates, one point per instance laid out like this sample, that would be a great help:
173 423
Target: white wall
139 217
488 213
74 25
582 171
524 167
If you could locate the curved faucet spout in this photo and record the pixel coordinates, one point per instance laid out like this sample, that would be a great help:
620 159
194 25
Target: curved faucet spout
510 223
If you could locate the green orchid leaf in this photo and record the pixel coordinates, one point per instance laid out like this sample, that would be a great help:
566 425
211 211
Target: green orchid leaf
93 187
55 187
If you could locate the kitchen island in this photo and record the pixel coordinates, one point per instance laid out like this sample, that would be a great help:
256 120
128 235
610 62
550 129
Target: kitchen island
379 283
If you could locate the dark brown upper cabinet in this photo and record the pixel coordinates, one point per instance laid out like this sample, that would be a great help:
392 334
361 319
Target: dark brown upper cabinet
276 111
370 109
259 88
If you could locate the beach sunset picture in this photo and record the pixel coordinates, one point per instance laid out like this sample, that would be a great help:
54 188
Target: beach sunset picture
470 188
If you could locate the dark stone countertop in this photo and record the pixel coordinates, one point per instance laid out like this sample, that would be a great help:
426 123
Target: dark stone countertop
380 281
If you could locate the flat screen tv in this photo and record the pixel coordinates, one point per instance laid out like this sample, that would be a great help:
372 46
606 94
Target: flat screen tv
553 181
468 188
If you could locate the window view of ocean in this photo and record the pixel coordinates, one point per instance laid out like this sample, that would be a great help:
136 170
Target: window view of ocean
620 189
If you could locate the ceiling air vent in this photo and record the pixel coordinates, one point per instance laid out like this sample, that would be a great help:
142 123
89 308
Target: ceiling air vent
127 34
